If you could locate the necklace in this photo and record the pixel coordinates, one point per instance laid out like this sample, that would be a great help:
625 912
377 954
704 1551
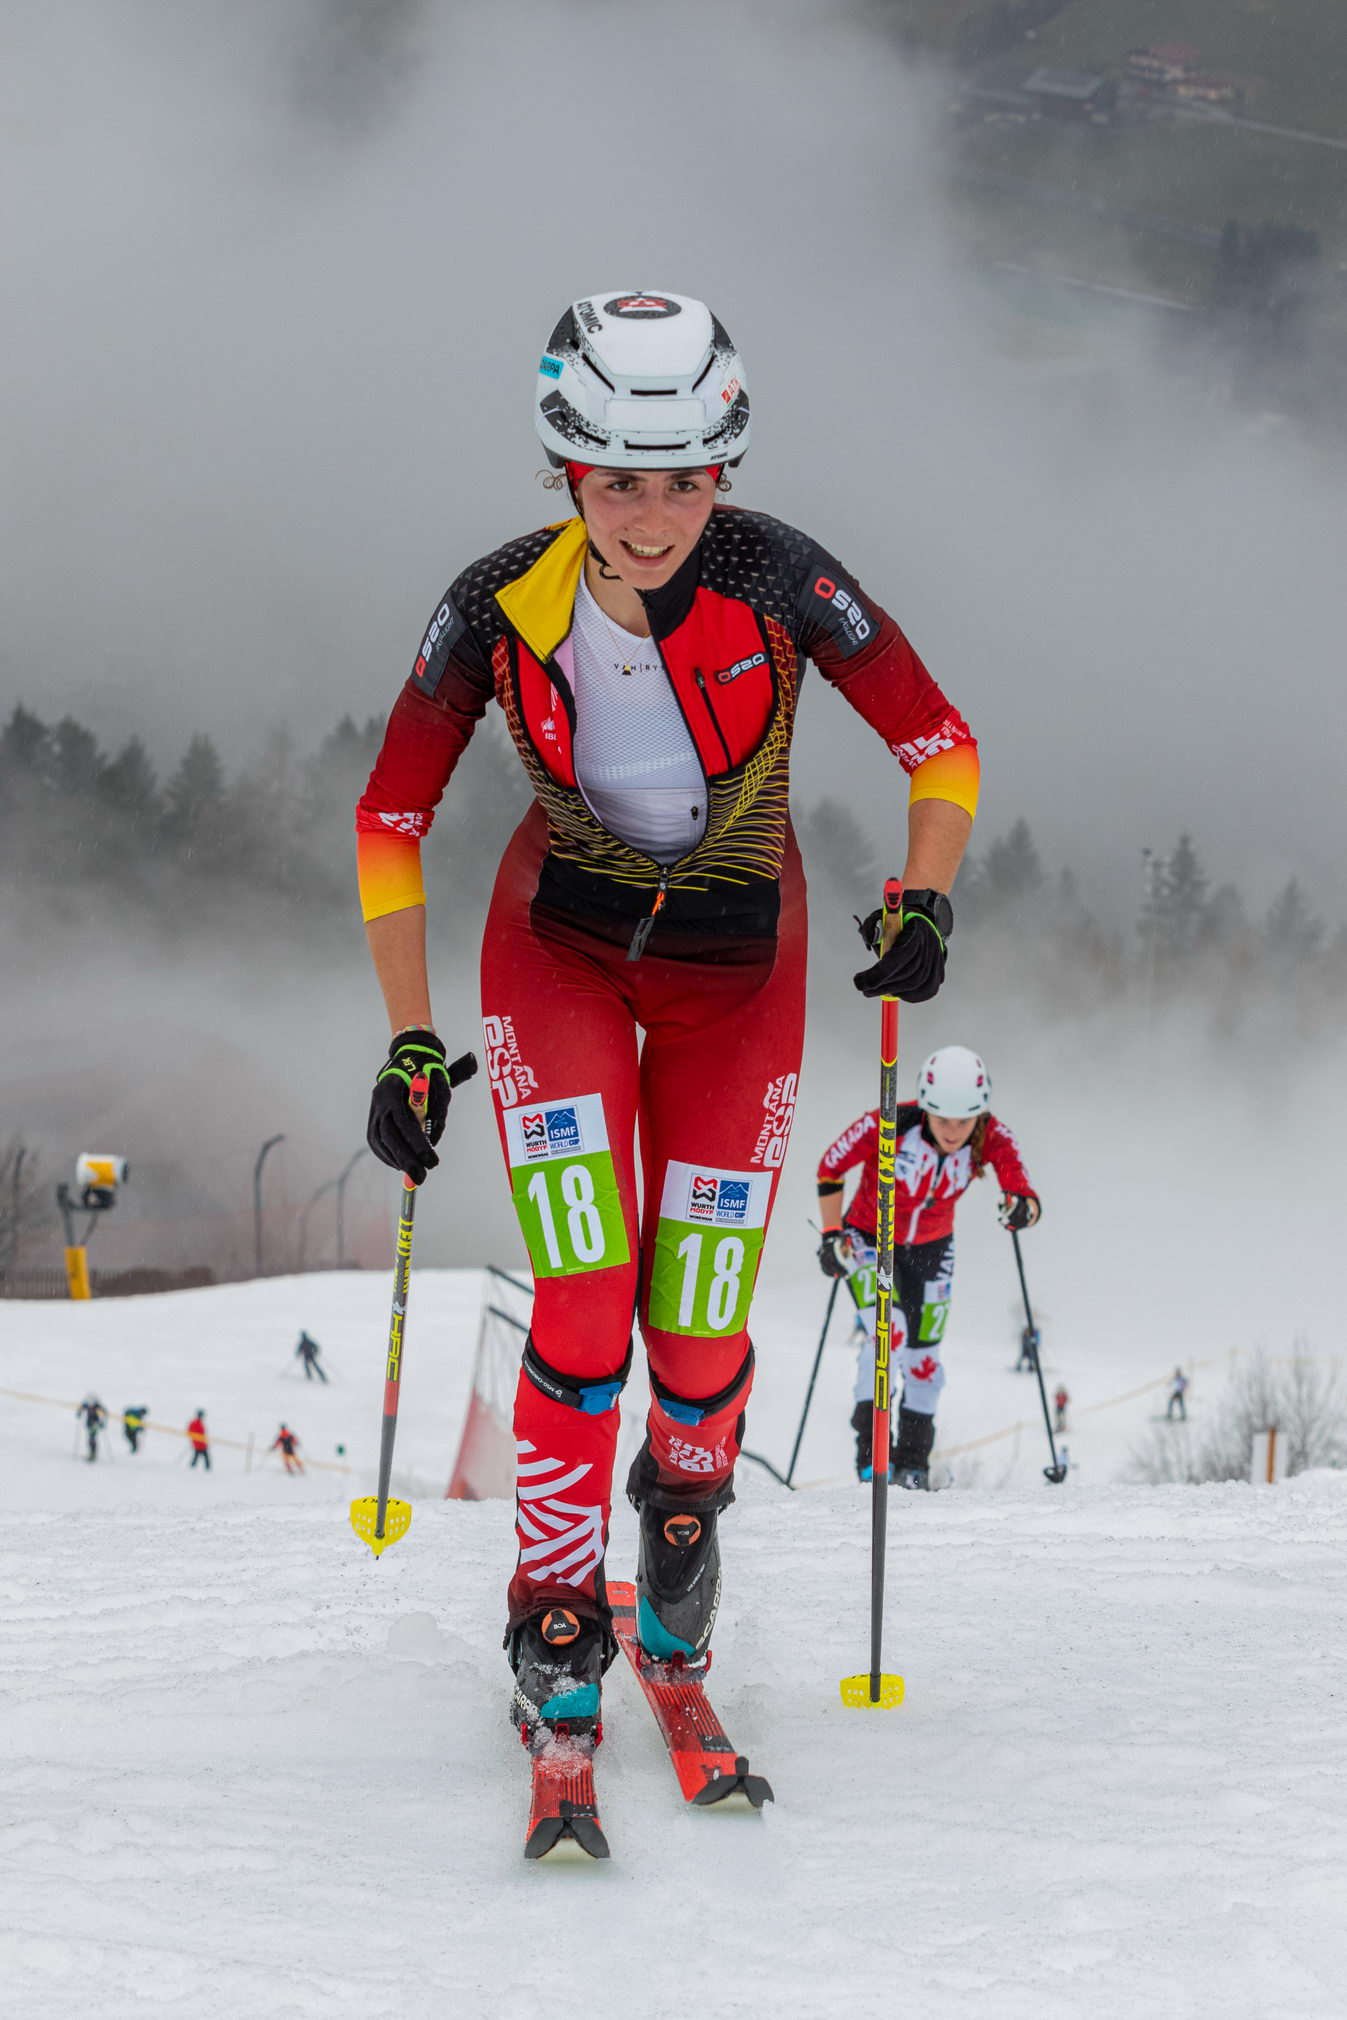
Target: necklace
623 659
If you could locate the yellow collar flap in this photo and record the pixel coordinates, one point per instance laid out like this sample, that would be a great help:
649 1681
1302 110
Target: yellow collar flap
540 604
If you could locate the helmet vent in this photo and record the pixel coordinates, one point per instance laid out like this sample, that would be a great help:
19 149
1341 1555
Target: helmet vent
603 381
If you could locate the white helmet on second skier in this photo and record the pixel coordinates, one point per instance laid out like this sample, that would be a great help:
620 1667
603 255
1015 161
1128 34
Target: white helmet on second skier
635 379
954 1084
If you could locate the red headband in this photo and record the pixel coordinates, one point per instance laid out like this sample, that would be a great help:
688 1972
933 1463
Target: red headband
575 471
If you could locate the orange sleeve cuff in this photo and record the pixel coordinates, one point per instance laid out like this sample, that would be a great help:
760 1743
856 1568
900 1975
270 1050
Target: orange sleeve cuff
389 869
949 775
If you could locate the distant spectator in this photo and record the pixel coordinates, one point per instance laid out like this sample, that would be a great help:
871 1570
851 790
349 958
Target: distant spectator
95 1417
133 1423
1060 1401
287 1444
1178 1389
308 1351
196 1431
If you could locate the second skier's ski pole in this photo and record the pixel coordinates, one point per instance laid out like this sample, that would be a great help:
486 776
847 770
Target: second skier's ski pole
875 1689
813 1377
1056 1472
376 1518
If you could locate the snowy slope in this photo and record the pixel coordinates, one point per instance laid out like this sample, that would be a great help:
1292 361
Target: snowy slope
250 1771
231 1350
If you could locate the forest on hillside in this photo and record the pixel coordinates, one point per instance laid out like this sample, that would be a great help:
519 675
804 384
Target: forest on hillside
269 845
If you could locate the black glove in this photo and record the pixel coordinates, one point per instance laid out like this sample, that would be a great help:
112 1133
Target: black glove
394 1134
1019 1210
832 1252
914 966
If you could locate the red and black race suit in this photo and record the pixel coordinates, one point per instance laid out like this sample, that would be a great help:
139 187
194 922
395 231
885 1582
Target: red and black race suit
733 627
929 1185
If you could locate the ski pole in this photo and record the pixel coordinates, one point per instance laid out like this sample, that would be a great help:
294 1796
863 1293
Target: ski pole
376 1518
813 1377
875 1689
1056 1472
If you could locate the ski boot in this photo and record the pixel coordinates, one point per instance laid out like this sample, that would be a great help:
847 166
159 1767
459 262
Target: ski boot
677 1565
863 1424
910 1458
558 1658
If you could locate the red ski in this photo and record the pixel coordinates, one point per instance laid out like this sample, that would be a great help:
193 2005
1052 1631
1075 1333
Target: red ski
707 1766
564 1809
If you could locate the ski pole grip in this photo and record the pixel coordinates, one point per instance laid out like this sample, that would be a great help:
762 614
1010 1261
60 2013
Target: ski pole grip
893 896
462 1069
419 1096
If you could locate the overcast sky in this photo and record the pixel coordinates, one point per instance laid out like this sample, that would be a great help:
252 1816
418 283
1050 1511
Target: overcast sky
277 277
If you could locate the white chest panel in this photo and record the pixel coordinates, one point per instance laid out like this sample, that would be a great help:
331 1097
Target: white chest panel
635 759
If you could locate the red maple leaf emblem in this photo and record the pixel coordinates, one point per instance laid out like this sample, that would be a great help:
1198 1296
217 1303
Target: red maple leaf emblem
923 1370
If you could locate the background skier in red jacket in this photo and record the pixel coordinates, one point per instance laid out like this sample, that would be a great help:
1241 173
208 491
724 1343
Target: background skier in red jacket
946 1139
200 1442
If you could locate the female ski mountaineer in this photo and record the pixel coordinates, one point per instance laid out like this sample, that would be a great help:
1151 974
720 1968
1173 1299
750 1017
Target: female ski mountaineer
946 1138
647 654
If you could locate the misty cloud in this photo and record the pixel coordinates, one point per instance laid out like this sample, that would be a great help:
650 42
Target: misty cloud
278 279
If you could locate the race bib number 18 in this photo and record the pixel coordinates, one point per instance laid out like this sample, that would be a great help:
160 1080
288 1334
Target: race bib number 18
564 1186
707 1248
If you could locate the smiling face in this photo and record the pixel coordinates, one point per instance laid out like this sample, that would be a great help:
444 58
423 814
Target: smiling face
645 523
950 1133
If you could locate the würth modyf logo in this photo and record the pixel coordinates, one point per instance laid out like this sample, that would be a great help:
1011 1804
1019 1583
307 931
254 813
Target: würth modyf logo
551 1132
721 1200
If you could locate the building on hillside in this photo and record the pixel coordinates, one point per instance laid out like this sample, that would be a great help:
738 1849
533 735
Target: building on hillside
1167 63
1004 90
999 90
1072 94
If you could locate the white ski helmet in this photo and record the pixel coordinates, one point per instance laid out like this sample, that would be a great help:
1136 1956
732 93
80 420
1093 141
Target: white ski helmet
637 380
954 1084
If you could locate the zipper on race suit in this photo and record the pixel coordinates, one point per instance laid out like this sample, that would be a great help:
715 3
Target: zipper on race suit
644 926
715 720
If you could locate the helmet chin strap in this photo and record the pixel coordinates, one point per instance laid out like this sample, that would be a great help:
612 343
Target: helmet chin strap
605 572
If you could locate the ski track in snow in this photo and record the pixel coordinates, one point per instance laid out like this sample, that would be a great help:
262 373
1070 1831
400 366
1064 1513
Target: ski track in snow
249 1771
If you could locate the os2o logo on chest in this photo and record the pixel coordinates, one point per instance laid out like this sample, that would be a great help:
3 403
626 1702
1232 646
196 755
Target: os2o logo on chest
741 666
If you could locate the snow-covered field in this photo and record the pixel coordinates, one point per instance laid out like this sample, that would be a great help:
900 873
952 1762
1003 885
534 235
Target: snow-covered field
249 1771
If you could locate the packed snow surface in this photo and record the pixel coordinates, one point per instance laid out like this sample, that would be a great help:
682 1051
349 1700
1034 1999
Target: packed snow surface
249 1771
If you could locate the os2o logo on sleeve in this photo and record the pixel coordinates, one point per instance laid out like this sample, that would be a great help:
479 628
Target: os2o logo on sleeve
855 619
445 626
